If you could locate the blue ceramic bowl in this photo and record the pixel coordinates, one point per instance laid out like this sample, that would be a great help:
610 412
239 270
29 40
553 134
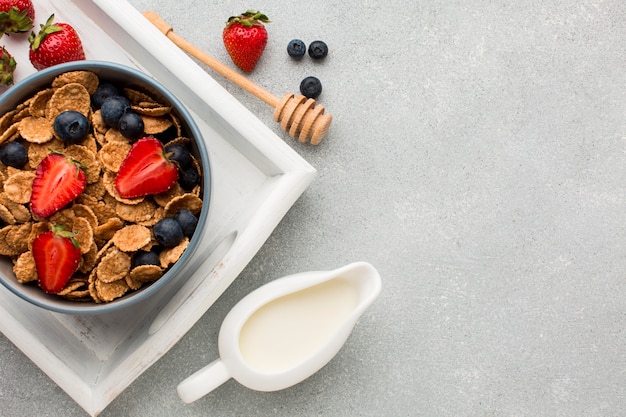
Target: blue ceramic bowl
127 77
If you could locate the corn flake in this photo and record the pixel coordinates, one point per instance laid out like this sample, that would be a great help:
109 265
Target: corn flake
113 154
37 107
36 129
17 236
24 268
72 96
38 151
20 213
164 198
5 248
76 285
90 259
169 256
145 211
6 216
107 292
135 96
113 266
132 238
18 187
83 234
155 125
114 135
146 273
152 111
98 125
187 201
87 79
85 212
9 134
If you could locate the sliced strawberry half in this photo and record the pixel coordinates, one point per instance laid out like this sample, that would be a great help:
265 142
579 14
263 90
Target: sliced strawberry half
57 256
58 181
145 170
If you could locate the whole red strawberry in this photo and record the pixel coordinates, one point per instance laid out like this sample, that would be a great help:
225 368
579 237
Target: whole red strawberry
55 44
57 256
16 16
58 181
7 68
145 170
245 38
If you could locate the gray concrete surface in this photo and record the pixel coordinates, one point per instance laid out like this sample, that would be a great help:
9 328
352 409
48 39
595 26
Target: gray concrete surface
477 160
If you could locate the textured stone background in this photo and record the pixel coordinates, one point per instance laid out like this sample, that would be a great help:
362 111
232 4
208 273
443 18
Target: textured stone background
476 159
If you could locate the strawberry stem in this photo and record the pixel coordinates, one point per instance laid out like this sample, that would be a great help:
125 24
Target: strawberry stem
76 162
60 230
46 29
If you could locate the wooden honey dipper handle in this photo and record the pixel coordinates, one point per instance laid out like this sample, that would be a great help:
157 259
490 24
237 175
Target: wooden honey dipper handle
297 115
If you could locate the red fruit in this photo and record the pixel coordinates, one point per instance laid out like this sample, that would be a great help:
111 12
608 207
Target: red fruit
57 257
58 181
16 16
55 44
245 38
145 170
7 67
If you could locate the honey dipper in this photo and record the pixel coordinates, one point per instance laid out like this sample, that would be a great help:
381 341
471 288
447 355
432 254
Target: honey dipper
297 115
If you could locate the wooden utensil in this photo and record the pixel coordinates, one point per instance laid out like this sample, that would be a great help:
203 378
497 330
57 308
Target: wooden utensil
297 115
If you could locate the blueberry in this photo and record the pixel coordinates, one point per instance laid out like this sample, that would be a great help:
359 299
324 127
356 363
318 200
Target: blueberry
71 126
188 178
311 87
104 91
318 50
187 221
131 125
13 154
296 48
112 110
179 154
146 258
168 232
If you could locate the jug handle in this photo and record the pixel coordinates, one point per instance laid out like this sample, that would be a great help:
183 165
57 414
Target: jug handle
203 381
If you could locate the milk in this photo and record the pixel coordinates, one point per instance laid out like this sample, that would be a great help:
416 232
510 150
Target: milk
287 330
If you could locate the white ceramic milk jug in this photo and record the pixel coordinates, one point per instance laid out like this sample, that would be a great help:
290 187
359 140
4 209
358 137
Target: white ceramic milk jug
286 330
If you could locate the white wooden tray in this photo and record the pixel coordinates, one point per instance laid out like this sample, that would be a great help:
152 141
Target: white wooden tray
257 178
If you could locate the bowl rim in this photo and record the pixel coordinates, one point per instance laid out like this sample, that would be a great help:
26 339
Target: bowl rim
22 89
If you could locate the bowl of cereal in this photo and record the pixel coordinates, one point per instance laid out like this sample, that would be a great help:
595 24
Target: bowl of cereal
106 185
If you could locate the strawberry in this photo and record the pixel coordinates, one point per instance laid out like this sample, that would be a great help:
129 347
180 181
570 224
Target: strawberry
145 170
55 44
245 38
58 181
16 16
7 67
57 257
